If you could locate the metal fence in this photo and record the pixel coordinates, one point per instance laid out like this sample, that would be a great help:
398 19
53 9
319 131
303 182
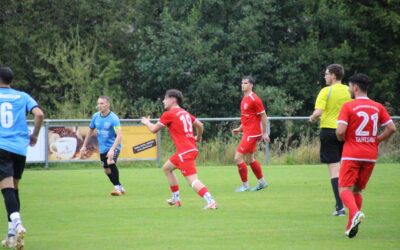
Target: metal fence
48 123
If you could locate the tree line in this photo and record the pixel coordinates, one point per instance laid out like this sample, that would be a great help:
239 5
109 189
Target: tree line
67 53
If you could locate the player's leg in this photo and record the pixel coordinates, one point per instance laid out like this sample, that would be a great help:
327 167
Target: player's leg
111 175
115 173
10 200
241 165
348 176
201 190
257 170
168 169
330 153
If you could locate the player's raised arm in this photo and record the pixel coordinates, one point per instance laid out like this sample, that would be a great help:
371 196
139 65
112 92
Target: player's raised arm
199 130
39 116
154 128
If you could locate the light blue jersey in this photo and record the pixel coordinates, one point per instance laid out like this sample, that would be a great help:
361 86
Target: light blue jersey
105 126
14 132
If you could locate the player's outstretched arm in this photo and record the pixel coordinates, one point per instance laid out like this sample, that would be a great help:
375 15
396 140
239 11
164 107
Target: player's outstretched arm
387 132
199 130
85 142
154 128
39 116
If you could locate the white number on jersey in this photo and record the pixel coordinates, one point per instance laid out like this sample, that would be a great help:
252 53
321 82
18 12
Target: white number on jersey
187 123
360 130
6 115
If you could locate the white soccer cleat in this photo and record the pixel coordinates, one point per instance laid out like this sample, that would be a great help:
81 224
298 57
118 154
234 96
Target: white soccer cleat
259 186
8 242
19 237
355 221
172 202
211 206
242 189
122 189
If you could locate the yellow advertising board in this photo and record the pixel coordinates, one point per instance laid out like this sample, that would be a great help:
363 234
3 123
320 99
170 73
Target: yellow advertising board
65 143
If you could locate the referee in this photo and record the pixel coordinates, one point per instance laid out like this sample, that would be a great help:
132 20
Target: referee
327 106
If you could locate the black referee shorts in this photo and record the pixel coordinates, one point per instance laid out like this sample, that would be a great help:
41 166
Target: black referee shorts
331 148
11 165
103 158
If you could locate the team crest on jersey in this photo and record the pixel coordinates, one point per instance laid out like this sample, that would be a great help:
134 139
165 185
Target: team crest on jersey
107 125
245 106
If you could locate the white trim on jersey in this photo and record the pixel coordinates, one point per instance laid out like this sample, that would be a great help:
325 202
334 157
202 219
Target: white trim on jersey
363 97
259 113
342 122
356 159
253 136
187 151
252 98
162 124
386 123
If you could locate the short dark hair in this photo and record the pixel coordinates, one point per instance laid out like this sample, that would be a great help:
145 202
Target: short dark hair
337 70
104 97
361 80
6 75
175 94
250 78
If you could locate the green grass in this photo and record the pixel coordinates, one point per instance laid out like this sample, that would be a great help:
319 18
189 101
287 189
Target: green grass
72 209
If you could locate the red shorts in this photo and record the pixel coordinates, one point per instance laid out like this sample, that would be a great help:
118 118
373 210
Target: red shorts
248 144
355 173
185 162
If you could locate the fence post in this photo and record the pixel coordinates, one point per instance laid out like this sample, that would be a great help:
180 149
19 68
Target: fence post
46 144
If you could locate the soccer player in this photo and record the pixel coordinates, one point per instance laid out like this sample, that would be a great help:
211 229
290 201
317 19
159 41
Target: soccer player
254 126
180 125
14 141
109 136
358 127
327 106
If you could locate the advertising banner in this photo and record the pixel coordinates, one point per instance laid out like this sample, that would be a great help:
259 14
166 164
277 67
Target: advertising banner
65 143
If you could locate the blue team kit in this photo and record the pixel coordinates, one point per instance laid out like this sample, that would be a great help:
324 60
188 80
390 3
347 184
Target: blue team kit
105 126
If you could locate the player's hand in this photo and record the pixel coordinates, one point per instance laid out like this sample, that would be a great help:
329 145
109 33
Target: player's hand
198 139
110 156
236 131
265 138
83 151
145 120
32 140
311 118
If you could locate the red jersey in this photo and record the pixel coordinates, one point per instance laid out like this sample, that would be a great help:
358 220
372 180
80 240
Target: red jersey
251 109
362 117
180 127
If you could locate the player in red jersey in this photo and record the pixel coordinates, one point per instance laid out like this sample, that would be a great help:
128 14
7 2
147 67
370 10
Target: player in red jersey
254 126
358 127
180 124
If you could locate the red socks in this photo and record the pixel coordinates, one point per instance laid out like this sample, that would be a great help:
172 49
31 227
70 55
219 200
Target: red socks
358 199
257 170
174 188
202 191
242 171
350 202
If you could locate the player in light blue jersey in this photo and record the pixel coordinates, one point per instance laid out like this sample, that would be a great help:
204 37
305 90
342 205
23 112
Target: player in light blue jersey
109 136
14 141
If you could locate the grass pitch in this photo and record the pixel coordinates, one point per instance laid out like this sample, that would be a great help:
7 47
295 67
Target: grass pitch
72 209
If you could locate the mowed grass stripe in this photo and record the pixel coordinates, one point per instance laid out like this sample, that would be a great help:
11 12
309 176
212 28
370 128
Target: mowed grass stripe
72 209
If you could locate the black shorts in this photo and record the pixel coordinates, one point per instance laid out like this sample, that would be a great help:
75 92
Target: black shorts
103 158
11 164
331 148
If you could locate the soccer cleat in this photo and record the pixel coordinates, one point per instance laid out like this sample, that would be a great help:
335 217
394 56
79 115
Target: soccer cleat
355 221
242 189
259 186
19 237
211 206
340 212
8 242
116 192
122 189
172 202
